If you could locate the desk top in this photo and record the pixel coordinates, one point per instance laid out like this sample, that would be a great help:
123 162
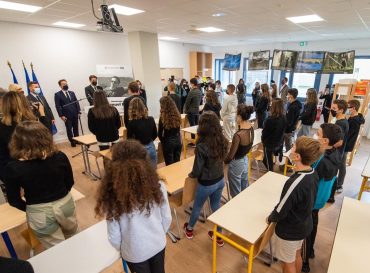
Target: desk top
90 139
352 239
87 252
190 130
245 215
257 137
366 170
175 174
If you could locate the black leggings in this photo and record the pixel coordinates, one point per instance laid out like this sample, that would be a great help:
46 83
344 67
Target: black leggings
268 159
153 265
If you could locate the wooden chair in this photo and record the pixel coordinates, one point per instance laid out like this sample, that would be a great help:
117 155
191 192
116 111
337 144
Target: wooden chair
97 155
255 154
287 165
180 199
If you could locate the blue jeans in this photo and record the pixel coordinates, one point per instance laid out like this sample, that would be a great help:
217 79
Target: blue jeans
238 175
214 192
305 130
150 148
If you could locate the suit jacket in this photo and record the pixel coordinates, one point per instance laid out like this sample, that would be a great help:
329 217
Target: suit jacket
48 113
69 111
89 92
284 92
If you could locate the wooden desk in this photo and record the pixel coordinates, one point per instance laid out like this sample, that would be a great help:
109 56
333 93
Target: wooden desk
175 174
352 240
86 252
88 140
245 215
365 179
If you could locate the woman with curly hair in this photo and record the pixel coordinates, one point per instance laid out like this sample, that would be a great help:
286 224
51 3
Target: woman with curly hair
142 127
135 204
208 168
169 130
212 103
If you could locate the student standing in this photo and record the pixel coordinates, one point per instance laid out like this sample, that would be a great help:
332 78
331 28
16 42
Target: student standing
46 177
212 103
184 91
134 201
192 103
273 133
293 213
208 169
241 91
174 96
292 117
326 168
142 91
142 127
274 94
91 89
338 110
104 121
228 112
134 92
262 105
308 116
169 130
355 121
283 93
256 93
328 98
240 147
219 91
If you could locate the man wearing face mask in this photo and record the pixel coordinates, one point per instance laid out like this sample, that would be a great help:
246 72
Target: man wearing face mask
68 109
91 89
35 98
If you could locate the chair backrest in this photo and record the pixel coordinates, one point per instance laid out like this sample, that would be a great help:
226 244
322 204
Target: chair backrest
264 239
190 187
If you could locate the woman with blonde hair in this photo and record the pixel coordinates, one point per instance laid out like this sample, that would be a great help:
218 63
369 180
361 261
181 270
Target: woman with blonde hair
274 91
13 87
308 116
46 176
169 130
142 127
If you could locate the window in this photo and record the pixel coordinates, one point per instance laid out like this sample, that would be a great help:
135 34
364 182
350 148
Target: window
226 77
303 81
253 76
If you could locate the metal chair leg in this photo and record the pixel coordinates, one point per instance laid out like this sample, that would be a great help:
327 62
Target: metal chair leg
97 165
177 224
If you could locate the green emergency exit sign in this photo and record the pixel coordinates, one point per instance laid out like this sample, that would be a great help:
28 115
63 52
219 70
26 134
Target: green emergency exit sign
302 43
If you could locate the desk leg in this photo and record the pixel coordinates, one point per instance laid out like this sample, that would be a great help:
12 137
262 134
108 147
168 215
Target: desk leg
184 141
9 245
214 249
85 155
363 186
249 166
124 264
250 259
286 166
84 158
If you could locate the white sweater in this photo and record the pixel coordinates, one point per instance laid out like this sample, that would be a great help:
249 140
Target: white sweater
138 236
229 107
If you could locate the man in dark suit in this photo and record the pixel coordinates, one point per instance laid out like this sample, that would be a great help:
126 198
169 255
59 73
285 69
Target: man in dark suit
134 92
35 97
91 89
68 109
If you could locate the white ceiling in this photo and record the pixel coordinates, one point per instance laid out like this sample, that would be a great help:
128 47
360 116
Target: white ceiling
246 21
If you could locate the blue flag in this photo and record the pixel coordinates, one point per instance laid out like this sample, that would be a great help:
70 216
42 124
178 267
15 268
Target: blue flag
34 78
14 77
27 77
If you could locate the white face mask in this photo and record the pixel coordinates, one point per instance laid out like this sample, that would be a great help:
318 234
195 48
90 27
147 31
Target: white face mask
315 137
37 90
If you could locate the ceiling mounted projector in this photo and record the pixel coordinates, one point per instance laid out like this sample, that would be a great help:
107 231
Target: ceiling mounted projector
109 21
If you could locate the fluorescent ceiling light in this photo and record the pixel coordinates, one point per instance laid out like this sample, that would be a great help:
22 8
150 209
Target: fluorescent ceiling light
330 34
125 10
210 29
168 38
18 7
305 19
67 24
219 14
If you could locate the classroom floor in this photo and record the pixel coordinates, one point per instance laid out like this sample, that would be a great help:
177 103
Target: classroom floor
196 255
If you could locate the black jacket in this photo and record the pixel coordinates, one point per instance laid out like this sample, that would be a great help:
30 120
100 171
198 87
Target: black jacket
105 130
193 101
273 132
9 265
262 104
214 108
48 113
69 111
328 166
207 169
354 124
292 116
89 92
308 116
293 213
177 101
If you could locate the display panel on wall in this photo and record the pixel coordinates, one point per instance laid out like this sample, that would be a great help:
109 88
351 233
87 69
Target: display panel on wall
232 62
284 59
114 79
259 60
339 63
309 61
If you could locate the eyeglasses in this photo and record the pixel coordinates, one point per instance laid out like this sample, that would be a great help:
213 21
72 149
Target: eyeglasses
350 107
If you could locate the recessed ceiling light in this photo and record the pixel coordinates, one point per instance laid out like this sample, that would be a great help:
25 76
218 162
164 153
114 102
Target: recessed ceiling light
305 19
167 38
18 6
210 29
330 34
67 24
123 10
219 14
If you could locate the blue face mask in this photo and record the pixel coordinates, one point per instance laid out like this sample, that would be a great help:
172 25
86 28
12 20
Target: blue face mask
37 90
348 112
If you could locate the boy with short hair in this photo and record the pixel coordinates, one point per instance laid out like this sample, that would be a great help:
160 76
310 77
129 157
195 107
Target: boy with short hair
338 110
327 169
228 112
355 121
293 213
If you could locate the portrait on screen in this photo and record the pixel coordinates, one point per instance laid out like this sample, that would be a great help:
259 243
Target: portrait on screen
114 79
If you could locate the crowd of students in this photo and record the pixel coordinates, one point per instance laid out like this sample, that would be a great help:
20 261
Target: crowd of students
132 197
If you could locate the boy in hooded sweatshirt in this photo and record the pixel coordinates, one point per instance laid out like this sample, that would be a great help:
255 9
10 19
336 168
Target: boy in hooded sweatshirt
326 168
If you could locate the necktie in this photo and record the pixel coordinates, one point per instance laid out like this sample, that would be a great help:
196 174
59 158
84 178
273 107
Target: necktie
68 97
38 98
